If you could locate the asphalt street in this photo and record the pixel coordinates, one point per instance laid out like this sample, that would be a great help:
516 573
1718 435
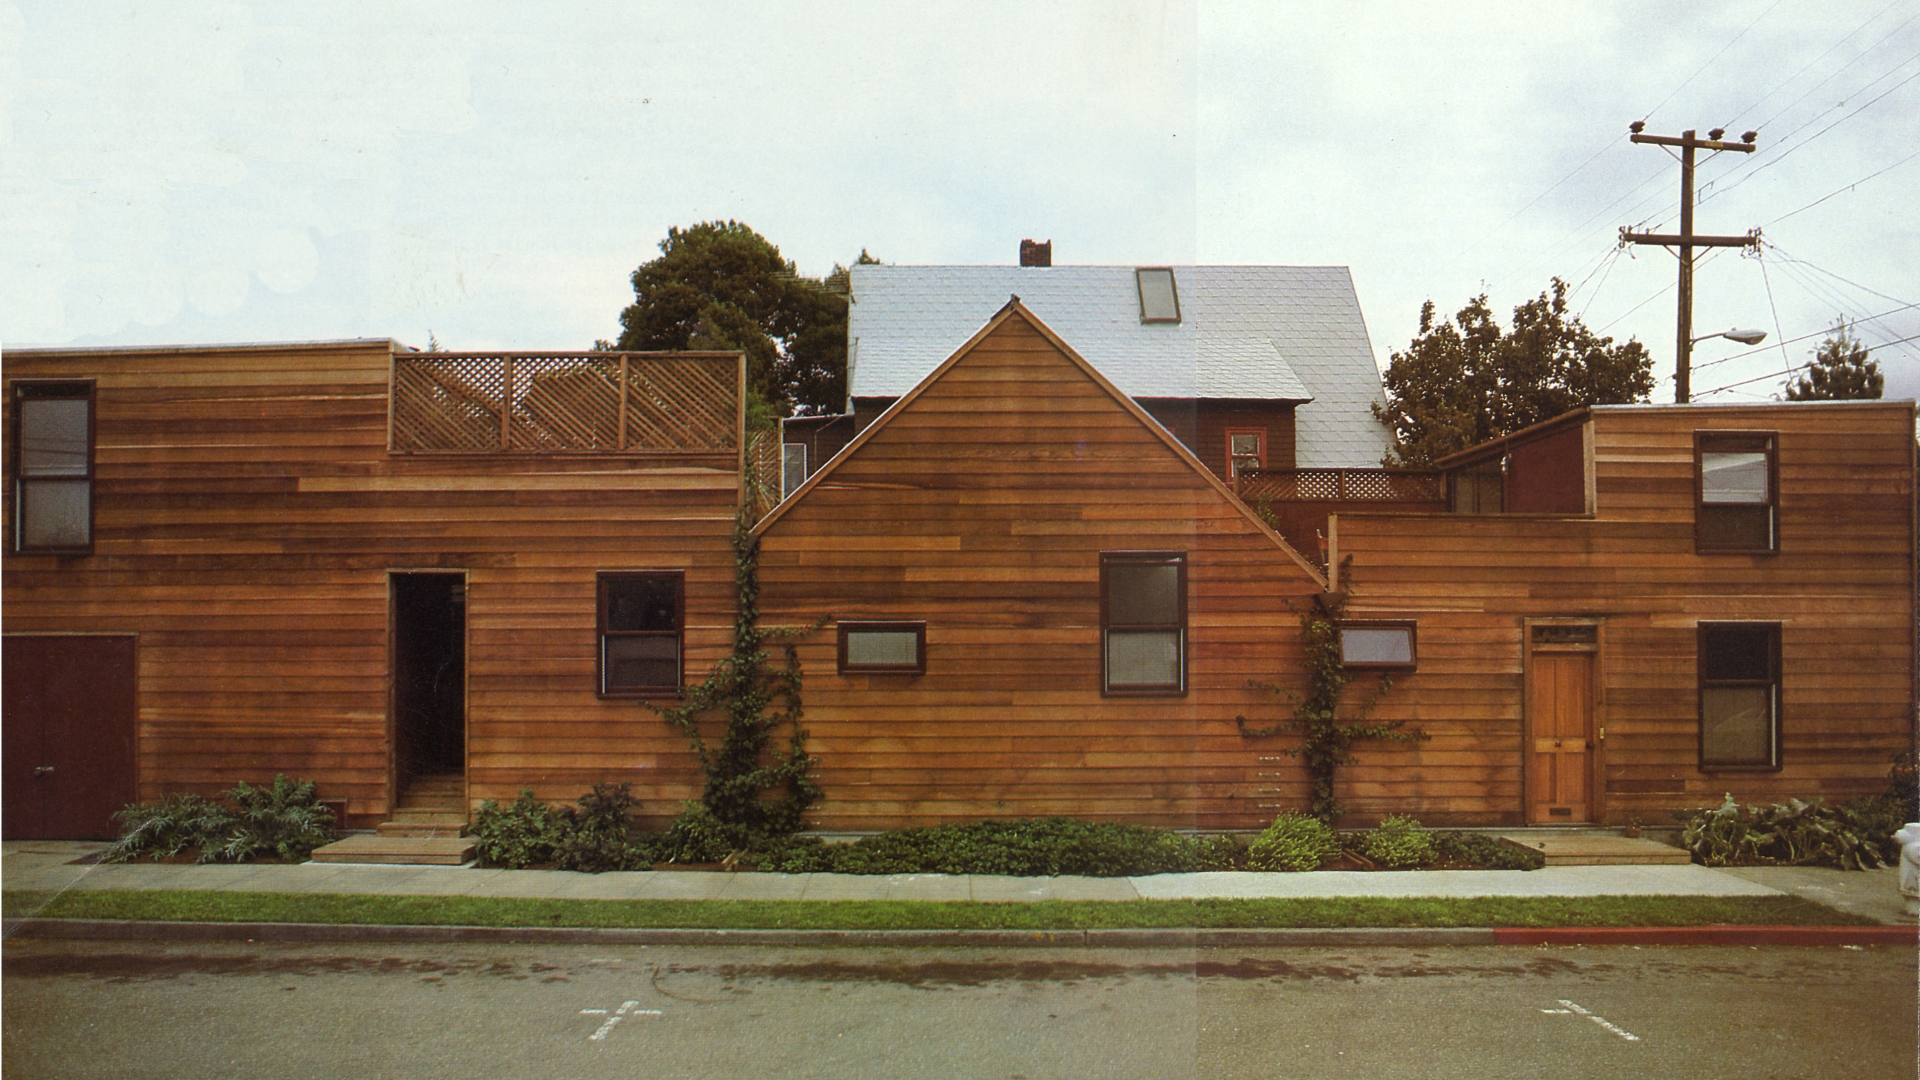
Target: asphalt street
136 1009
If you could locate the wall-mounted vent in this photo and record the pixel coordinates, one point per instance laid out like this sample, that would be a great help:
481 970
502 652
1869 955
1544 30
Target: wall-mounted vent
1159 299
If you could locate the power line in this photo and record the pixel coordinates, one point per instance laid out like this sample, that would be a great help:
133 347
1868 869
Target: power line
1847 188
1796 367
1793 259
1710 60
1784 154
1850 36
1802 337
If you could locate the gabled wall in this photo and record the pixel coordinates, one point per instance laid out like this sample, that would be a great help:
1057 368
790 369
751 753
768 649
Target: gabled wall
981 505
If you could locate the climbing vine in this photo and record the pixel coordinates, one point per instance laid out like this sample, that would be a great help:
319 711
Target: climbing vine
754 788
1328 740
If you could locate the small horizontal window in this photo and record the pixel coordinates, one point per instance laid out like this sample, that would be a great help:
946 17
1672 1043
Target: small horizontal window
1381 646
883 648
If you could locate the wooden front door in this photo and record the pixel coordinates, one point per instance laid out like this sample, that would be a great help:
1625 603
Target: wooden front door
1560 737
69 718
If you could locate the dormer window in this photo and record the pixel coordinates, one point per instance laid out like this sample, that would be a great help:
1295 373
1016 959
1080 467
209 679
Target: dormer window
1159 300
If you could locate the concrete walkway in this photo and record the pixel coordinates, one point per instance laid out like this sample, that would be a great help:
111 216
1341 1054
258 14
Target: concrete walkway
49 866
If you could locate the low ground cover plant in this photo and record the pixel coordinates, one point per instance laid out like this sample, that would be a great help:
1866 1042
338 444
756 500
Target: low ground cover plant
1853 835
1398 843
279 820
1294 841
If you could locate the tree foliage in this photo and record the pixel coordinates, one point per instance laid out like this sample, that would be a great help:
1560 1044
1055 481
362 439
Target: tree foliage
721 285
1464 381
1840 370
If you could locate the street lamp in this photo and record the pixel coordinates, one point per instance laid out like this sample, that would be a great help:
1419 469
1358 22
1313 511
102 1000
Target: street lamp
1744 337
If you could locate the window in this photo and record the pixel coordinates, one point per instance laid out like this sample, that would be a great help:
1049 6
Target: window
1143 622
883 648
1159 300
1246 449
642 616
793 467
1377 646
1480 488
52 455
1736 481
1739 695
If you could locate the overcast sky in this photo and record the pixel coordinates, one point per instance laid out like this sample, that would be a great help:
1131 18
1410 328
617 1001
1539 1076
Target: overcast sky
491 172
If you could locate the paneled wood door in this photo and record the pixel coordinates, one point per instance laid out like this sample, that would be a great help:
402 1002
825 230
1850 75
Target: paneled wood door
1560 737
69 716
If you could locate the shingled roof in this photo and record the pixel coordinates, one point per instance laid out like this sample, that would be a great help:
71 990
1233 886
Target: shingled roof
1291 333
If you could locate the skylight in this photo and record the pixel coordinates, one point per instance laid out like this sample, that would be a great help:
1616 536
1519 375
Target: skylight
1159 301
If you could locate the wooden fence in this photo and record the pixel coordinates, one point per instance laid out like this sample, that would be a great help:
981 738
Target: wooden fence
1341 485
590 402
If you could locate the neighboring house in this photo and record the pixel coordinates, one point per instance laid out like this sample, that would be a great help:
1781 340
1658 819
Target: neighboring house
360 565
1040 602
1634 608
1248 366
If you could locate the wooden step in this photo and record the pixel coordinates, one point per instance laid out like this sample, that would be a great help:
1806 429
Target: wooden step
398 850
1598 849
423 823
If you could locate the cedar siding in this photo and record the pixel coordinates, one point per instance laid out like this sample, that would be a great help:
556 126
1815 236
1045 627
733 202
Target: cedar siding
1841 586
981 504
248 513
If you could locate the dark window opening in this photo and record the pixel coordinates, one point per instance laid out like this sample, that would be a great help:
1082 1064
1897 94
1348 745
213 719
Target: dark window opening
1480 488
1143 622
52 466
883 648
642 619
1736 482
429 673
1739 665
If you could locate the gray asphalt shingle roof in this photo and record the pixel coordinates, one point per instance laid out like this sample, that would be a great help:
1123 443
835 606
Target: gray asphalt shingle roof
1275 332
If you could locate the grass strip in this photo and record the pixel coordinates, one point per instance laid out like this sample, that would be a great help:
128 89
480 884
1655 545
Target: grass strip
1537 911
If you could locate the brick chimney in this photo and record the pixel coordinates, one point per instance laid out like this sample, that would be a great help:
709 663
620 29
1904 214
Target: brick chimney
1033 254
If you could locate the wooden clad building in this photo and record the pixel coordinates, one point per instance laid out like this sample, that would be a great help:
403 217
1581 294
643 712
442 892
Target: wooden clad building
1038 602
1645 607
358 565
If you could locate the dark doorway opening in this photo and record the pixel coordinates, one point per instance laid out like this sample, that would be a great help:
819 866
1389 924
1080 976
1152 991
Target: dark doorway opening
70 718
429 675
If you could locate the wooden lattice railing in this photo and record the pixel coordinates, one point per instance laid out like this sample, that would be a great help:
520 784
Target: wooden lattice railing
1341 485
591 402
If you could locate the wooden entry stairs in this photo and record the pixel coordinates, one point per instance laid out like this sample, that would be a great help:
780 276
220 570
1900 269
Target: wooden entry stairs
428 828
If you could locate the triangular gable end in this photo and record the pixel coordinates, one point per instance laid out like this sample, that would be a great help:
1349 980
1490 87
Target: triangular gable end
1015 309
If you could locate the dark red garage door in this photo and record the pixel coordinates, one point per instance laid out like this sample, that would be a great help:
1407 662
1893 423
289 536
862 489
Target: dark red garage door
69 726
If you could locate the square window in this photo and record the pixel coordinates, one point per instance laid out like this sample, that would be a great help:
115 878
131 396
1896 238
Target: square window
1159 298
885 648
1739 666
642 618
52 464
1377 646
1736 482
1143 622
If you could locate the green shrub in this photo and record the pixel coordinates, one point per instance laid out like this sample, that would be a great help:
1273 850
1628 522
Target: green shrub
1293 842
598 835
1398 843
524 833
282 819
1854 836
697 836
1484 851
1026 847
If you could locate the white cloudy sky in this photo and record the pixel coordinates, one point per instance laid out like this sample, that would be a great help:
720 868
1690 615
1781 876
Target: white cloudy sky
491 171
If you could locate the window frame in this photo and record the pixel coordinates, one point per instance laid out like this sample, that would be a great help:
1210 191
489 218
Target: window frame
19 390
1712 440
1260 455
896 626
1411 626
1173 287
602 579
786 468
1142 558
1773 683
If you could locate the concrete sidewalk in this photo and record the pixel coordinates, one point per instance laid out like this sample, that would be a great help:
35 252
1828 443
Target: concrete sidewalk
49 866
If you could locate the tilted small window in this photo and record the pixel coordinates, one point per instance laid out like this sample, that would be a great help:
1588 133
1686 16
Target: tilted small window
52 457
883 648
1159 298
642 621
1143 622
1737 492
793 467
1739 665
1385 645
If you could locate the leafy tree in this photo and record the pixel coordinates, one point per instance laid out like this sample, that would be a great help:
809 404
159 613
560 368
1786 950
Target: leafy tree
1840 370
1465 381
721 285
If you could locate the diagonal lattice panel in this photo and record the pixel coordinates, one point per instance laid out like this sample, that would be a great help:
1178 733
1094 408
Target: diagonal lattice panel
567 403
446 403
680 403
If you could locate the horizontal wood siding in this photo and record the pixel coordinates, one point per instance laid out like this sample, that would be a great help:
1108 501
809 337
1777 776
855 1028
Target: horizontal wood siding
247 515
1841 586
982 508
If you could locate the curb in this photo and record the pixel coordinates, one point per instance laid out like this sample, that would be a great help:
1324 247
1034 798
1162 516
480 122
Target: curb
115 930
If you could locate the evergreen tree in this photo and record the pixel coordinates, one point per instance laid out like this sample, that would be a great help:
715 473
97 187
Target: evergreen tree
1840 370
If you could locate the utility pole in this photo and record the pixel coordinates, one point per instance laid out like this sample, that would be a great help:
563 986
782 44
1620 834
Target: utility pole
1685 239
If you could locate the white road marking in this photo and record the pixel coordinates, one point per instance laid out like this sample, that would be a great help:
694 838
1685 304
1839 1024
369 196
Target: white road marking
1571 1008
626 1009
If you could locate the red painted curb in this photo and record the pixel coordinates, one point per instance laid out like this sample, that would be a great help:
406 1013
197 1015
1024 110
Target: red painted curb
1709 935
